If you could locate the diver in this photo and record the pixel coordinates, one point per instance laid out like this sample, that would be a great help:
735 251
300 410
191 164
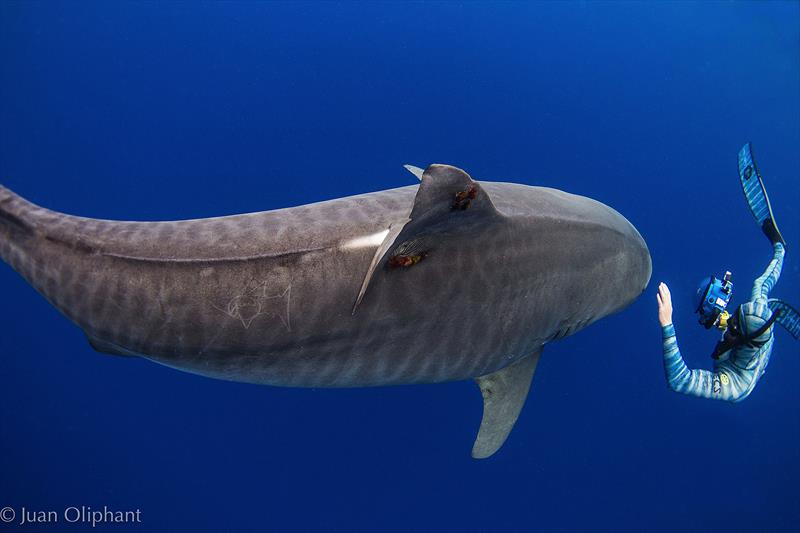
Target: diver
741 356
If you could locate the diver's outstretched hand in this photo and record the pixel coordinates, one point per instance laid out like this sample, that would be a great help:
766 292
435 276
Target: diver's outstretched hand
664 304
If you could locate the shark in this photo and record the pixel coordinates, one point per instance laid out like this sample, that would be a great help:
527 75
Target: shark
450 279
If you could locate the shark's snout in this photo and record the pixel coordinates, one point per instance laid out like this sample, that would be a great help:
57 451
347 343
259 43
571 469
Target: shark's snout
638 269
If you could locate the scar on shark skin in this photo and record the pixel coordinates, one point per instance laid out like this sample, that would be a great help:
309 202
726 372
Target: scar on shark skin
253 303
406 260
464 199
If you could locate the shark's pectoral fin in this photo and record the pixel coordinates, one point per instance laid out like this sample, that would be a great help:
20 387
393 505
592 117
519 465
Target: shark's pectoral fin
418 172
447 200
388 241
504 394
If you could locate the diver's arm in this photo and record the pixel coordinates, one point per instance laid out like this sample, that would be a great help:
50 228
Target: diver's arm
718 385
721 384
679 377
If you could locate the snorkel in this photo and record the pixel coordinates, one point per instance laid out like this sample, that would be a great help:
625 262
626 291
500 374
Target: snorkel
713 296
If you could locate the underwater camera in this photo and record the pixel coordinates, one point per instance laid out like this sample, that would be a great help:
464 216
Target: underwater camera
713 296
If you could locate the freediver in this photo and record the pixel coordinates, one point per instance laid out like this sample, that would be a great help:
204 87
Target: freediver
741 356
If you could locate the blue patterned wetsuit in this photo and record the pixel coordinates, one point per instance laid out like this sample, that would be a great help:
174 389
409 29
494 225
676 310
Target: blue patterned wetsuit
735 374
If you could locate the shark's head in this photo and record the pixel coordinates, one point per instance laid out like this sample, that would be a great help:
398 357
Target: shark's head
585 258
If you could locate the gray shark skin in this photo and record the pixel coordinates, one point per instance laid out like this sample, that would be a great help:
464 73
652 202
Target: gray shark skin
449 280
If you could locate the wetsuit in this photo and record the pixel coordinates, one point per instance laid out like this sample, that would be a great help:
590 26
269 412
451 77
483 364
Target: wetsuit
737 370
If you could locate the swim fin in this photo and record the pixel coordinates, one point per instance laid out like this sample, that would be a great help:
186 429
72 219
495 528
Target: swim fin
789 317
756 195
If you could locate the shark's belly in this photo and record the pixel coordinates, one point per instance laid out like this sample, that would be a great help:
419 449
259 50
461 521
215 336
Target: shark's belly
294 325
290 320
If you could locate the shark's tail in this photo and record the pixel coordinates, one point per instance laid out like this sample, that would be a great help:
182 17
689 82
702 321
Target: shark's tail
13 210
32 242
18 223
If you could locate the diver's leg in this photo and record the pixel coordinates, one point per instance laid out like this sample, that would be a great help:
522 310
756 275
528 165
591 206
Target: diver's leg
756 195
764 284
788 316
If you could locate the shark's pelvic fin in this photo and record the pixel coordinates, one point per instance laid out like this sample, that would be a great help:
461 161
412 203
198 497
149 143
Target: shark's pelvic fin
504 394
447 199
418 172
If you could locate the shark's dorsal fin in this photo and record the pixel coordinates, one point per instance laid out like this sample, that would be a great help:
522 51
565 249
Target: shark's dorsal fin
504 394
446 190
446 197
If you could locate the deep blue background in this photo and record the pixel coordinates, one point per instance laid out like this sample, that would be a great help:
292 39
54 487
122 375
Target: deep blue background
168 110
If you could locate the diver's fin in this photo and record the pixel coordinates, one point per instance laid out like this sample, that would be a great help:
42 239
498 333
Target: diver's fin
756 195
504 394
108 347
789 317
447 199
418 172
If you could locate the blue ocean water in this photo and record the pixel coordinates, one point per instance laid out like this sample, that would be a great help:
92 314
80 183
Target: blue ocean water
153 111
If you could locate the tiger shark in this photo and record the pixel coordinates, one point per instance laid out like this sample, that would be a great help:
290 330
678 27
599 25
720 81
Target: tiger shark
450 279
